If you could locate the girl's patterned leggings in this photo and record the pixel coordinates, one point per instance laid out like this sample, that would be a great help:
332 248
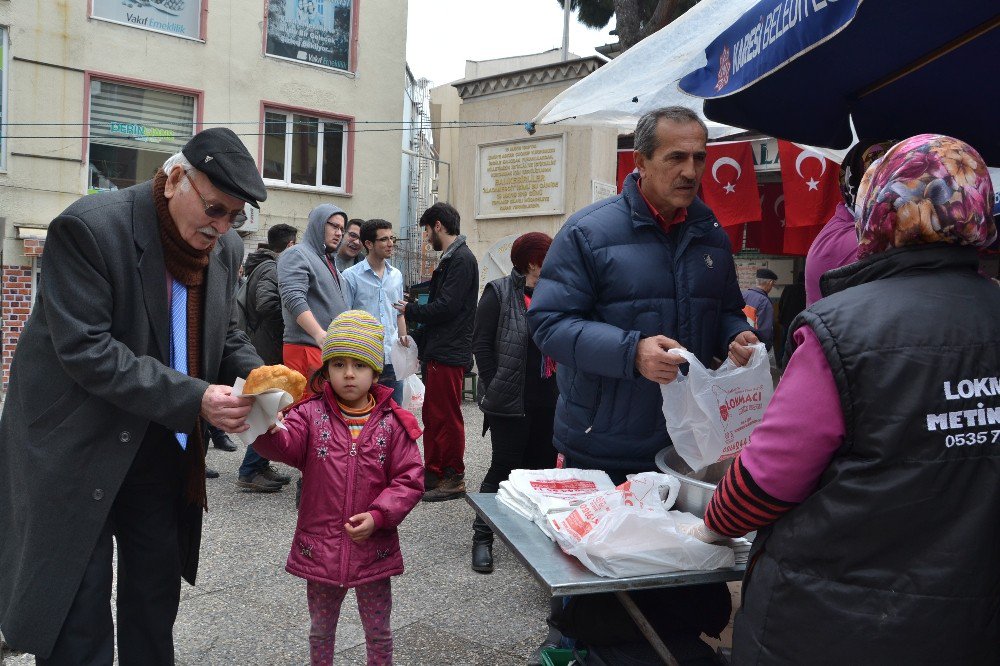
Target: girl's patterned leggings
374 604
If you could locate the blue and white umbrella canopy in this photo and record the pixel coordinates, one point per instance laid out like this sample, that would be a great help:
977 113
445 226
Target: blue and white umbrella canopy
803 69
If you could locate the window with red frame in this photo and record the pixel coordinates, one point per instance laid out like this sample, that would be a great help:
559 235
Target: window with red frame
304 150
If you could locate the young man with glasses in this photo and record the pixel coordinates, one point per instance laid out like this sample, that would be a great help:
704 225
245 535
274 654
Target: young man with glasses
374 285
311 290
349 252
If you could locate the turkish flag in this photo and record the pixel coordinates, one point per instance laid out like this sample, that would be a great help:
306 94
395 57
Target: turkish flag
735 237
626 165
798 239
729 185
769 233
812 186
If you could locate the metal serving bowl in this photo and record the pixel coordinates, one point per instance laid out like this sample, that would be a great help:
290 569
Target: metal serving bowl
696 487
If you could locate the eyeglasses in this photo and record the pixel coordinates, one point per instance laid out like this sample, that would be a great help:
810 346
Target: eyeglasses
217 211
391 239
353 235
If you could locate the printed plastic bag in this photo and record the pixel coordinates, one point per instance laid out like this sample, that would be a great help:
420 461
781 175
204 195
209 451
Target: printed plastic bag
710 414
413 393
535 494
404 359
629 531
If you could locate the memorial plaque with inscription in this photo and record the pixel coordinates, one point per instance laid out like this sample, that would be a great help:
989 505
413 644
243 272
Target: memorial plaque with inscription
520 178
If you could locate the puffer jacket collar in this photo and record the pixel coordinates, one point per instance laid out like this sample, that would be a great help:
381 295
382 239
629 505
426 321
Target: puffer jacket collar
699 221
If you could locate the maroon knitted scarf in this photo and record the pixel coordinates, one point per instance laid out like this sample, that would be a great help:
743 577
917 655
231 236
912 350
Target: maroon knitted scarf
189 267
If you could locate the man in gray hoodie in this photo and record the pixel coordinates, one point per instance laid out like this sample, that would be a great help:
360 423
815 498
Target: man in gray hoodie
310 286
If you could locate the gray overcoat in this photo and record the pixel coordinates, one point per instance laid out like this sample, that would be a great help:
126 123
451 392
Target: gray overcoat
85 384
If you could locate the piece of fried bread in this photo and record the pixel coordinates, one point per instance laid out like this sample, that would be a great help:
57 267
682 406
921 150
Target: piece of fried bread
275 377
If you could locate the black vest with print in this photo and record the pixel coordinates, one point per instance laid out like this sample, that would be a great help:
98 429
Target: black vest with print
505 394
895 557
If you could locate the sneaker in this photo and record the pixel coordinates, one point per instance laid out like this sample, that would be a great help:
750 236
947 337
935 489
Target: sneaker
271 474
211 473
451 487
258 483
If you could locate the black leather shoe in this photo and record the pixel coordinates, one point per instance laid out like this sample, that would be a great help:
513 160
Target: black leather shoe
211 473
482 557
220 440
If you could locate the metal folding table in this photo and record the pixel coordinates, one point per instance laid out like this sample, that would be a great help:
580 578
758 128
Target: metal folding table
562 575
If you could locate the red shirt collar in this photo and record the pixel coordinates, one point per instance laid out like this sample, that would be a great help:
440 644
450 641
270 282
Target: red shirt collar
679 215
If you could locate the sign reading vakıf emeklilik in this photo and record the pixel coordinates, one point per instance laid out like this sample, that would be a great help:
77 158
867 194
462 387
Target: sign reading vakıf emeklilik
175 17
314 31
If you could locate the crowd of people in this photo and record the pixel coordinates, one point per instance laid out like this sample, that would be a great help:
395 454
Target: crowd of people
130 354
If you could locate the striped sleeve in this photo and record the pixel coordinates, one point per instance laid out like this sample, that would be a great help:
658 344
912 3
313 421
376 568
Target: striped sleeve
739 505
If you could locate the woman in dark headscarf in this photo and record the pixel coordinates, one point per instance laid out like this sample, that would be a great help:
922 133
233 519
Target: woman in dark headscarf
874 477
517 383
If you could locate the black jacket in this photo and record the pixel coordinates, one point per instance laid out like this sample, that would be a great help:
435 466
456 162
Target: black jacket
893 558
510 365
87 384
264 305
450 311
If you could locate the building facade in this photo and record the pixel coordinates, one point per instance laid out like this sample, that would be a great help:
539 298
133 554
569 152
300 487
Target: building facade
503 180
96 95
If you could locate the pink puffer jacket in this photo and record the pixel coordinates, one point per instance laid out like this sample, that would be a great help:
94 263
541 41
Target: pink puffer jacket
383 474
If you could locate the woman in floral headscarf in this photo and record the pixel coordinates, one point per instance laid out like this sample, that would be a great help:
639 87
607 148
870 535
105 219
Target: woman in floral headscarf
874 477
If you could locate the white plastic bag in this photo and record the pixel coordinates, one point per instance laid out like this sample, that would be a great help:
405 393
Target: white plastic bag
413 393
536 494
629 531
710 414
404 359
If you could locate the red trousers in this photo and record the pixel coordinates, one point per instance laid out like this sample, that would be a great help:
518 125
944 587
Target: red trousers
444 428
305 359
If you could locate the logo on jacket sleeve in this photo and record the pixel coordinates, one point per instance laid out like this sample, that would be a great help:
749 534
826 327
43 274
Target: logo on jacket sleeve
708 261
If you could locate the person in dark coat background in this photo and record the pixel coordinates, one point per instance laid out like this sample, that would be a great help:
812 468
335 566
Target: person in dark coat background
791 302
266 327
131 344
445 349
517 384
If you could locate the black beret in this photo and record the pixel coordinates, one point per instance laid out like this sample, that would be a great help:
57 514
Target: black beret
766 274
219 154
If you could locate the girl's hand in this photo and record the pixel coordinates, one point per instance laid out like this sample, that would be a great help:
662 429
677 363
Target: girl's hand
360 527
273 429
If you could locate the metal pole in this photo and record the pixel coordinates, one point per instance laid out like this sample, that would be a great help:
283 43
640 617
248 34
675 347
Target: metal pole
567 10
647 629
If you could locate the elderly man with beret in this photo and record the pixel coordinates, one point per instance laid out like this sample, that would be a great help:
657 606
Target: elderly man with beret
759 309
128 351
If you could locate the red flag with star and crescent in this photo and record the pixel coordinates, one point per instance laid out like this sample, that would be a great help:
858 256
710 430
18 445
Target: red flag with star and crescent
729 185
811 183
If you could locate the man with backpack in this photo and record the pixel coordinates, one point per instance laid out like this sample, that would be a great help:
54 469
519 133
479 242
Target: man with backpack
259 315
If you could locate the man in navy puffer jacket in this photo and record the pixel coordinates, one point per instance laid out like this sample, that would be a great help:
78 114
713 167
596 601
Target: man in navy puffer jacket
627 279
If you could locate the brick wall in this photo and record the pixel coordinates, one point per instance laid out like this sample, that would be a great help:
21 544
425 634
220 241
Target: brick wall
15 304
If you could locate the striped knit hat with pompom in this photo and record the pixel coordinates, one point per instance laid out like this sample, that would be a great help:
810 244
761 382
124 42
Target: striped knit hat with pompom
355 334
